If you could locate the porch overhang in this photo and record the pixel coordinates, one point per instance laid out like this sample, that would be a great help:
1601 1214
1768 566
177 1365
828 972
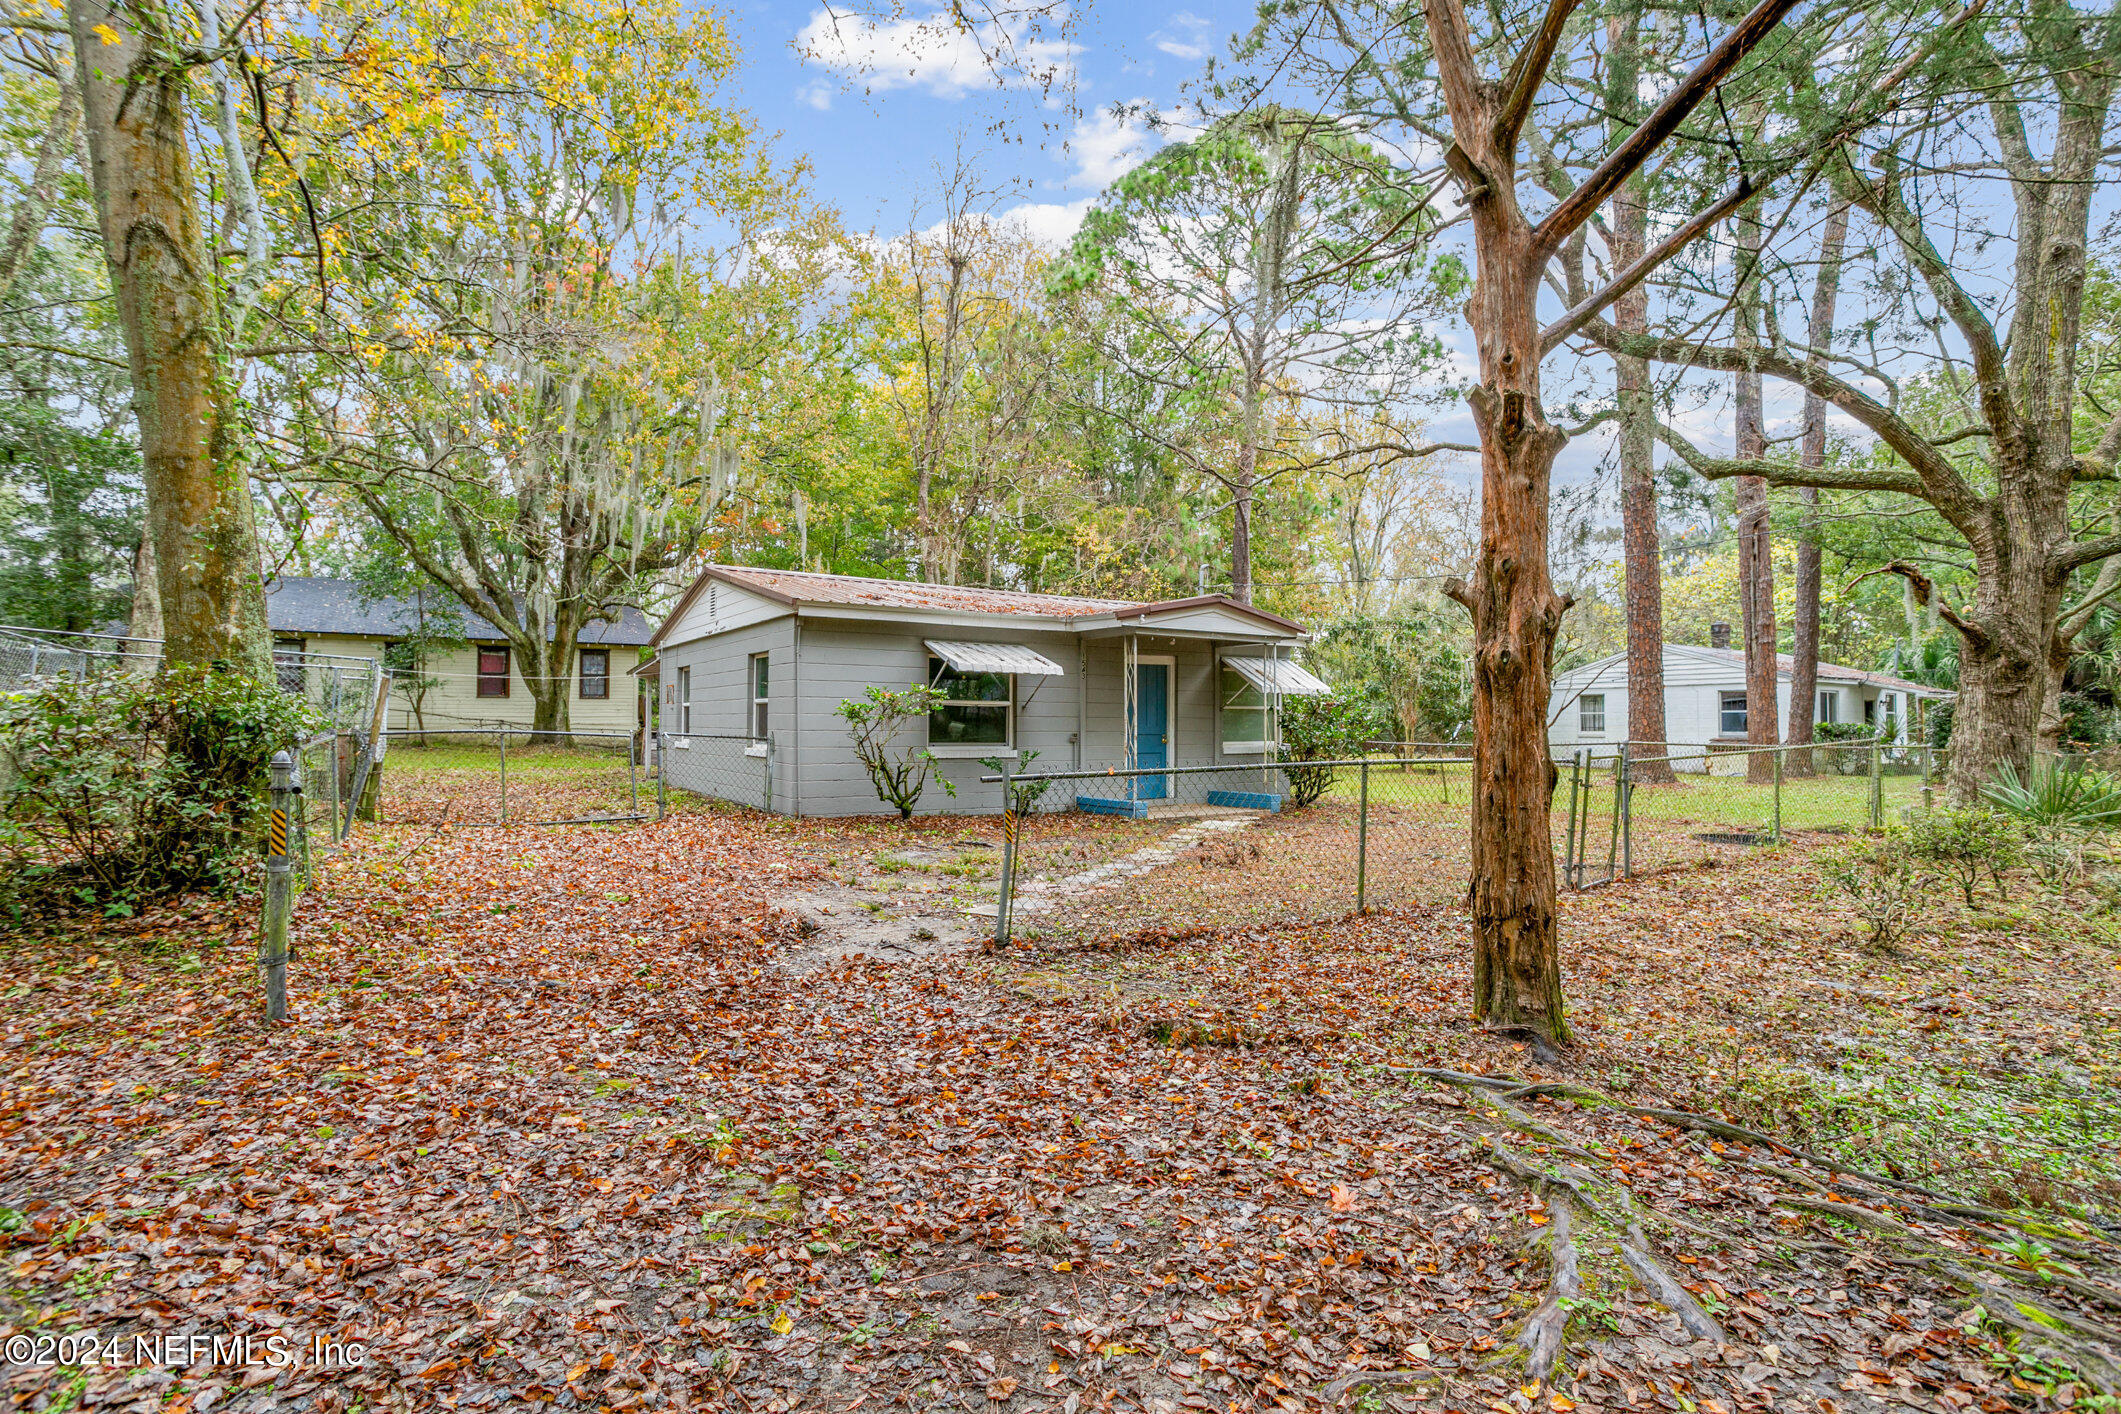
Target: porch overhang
1276 676
1015 658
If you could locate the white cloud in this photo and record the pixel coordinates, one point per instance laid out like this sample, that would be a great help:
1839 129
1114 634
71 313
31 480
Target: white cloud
1053 223
931 53
1105 147
818 94
1184 36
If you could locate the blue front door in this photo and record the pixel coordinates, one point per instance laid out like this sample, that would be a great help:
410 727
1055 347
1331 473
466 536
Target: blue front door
1152 728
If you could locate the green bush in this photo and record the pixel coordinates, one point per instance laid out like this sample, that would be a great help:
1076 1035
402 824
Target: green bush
1967 844
1320 728
1884 880
2053 794
1846 746
899 771
123 790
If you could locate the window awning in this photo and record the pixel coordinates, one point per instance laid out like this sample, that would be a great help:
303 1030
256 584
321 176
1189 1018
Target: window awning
994 658
1276 675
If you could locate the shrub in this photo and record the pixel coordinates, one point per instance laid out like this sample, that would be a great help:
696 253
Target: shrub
1846 746
1317 729
1884 880
899 771
1967 844
2053 794
124 790
1024 797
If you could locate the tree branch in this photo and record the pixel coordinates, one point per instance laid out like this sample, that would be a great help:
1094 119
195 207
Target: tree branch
1529 72
1662 122
1776 473
1640 269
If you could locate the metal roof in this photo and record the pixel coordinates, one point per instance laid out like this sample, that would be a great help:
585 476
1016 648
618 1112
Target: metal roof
303 604
994 658
1276 675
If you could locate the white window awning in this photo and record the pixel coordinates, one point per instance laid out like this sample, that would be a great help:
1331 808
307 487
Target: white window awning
994 658
1276 675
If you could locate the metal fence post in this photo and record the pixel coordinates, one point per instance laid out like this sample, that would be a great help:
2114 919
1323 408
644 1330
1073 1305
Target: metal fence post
633 774
1362 843
1877 784
1928 765
504 775
279 892
766 766
1777 836
338 762
1568 853
662 773
1627 814
1005 897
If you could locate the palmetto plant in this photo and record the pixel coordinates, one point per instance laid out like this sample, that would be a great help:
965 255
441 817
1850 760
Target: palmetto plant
2053 794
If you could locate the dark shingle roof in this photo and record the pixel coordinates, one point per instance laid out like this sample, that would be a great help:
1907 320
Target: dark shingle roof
311 604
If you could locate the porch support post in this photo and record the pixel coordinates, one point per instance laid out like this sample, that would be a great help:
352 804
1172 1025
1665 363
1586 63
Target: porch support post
1130 660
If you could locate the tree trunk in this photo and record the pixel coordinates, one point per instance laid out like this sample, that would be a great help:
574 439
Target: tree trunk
1804 619
43 188
1516 617
198 491
143 628
1638 509
2002 678
1241 533
1756 566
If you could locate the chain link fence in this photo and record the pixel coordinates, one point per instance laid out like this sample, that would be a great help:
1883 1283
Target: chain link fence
1108 852
508 776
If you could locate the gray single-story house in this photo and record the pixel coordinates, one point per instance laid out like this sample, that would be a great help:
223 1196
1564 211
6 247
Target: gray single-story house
752 665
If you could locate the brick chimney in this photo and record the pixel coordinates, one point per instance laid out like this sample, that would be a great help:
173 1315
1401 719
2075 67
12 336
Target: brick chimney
1719 635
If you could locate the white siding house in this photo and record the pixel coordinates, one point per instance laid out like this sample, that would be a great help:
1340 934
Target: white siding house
478 685
1705 703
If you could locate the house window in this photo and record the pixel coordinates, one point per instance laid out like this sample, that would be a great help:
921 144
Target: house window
1590 712
684 702
1829 707
1247 721
1733 715
758 696
493 672
288 667
596 672
974 710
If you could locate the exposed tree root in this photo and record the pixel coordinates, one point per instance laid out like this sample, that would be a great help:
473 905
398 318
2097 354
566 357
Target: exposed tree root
2006 1292
1545 1328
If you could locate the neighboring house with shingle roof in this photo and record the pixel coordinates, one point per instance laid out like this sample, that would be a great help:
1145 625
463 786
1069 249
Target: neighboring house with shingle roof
477 685
1705 699
755 663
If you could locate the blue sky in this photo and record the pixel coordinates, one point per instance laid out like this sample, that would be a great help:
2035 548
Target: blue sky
875 124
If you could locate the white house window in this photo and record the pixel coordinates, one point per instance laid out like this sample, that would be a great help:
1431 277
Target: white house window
758 696
1732 721
288 666
596 672
1247 721
975 710
684 702
1590 712
1829 707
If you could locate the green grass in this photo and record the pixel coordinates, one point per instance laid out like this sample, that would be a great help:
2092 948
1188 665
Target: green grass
426 763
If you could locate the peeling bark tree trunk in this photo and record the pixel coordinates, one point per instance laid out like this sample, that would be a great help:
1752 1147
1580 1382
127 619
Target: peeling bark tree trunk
1638 419
199 509
1804 619
1510 594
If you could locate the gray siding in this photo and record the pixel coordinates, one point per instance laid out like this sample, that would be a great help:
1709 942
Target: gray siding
818 663
717 760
